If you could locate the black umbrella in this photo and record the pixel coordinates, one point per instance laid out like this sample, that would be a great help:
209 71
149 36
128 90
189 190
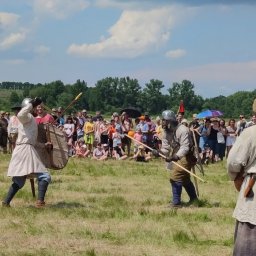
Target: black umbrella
131 112
16 107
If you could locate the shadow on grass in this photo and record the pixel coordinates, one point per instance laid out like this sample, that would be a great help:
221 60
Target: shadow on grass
202 203
67 205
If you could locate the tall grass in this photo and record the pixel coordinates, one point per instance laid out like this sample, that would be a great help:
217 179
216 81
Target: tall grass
118 208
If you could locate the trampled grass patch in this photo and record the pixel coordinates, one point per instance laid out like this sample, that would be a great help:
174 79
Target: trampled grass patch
118 208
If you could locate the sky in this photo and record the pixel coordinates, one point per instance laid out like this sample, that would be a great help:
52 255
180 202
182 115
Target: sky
211 43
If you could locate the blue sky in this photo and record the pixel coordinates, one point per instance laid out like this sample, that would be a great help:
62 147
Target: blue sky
210 43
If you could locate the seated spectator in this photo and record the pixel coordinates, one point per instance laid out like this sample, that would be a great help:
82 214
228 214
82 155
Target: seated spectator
99 153
80 149
118 152
141 155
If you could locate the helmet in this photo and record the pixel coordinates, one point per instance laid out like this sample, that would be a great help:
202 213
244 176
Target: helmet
25 102
169 121
169 115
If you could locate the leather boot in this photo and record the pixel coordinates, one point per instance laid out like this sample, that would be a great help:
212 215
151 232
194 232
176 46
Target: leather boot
40 204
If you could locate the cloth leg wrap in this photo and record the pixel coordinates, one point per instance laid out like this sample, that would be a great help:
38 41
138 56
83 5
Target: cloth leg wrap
11 193
190 189
176 192
42 188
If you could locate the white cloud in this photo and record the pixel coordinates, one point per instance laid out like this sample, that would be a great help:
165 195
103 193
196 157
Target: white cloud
59 9
42 50
8 19
135 33
175 54
11 40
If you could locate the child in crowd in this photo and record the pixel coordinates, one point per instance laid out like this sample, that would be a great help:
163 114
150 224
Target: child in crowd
118 152
81 149
99 153
207 154
141 155
137 137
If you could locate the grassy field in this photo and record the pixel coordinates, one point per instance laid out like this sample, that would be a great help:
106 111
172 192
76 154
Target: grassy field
118 208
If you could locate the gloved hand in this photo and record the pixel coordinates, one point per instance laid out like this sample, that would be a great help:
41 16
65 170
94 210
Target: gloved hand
174 158
36 101
155 152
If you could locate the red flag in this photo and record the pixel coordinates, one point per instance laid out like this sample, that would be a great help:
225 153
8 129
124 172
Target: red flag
181 107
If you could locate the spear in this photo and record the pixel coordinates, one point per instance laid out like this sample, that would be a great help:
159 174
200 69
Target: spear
72 102
163 156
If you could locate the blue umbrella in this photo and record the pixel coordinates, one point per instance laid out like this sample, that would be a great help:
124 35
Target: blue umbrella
209 113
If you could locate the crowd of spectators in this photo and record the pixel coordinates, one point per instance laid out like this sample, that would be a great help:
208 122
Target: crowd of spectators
93 136
215 137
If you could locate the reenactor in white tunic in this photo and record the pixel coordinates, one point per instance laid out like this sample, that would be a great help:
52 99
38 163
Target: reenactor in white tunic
25 159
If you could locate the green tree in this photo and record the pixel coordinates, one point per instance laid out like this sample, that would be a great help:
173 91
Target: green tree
14 98
152 99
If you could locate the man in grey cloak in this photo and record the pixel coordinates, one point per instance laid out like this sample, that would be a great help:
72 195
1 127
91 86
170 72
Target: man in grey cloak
241 167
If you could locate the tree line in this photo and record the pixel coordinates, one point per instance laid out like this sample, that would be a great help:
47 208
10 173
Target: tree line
113 94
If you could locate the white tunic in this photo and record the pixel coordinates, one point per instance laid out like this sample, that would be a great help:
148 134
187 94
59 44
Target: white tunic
243 153
25 159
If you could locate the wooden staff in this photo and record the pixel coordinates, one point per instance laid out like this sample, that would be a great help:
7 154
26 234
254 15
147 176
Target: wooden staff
32 184
72 102
183 168
197 152
195 180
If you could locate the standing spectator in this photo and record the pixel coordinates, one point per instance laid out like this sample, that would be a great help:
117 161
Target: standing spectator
97 116
240 125
138 137
3 131
221 138
144 129
231 135
69 129
89 133
204 131
127 125
212 137
42 117
180 116
252 122
84 115
60 118
13 128
104 132
158 134
194 126
111 131
151 130
79 126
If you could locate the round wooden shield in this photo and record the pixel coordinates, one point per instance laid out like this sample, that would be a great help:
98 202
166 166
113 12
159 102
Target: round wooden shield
57 157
